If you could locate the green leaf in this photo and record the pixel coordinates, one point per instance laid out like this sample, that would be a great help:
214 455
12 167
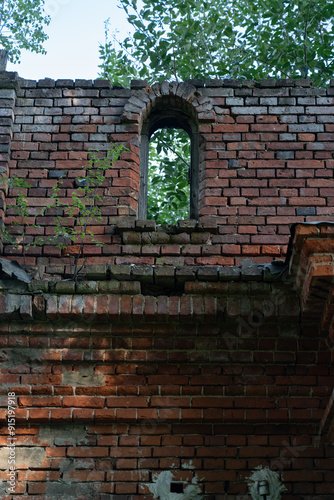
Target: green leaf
241 39
21 27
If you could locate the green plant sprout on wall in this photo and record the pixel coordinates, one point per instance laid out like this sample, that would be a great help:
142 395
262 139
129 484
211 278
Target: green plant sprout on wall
82 208
15 233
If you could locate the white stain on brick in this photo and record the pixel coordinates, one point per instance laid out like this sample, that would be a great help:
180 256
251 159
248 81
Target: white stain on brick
161 486
188 465
273 480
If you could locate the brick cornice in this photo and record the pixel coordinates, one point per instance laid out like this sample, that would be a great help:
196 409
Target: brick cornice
105 302
312 266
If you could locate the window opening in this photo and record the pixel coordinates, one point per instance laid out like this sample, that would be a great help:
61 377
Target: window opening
179 178
169 171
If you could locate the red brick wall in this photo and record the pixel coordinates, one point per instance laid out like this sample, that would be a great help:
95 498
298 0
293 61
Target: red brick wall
164 357
266 155
105 403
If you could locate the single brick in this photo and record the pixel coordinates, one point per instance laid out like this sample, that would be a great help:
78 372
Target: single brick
120 272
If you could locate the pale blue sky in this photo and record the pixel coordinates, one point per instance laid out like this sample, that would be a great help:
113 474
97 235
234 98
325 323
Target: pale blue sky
76 28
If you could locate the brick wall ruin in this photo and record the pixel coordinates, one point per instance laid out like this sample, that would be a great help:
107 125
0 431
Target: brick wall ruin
265 158
187 348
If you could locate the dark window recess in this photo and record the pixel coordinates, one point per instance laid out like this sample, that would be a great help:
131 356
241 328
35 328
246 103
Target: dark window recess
176 487
169 119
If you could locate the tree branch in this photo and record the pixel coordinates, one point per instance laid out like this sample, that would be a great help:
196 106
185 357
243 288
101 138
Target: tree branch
305 36
1 11
327 64
267 63
173 150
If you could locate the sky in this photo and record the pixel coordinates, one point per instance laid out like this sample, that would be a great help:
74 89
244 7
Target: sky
76 28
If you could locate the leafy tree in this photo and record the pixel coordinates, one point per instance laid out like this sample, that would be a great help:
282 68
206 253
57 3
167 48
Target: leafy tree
179 40
21 26
225 39
116 65
288 39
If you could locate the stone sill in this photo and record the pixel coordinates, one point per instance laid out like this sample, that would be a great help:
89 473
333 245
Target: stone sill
131 223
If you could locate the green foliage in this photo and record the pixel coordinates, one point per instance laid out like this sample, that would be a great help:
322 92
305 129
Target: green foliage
168 190
289 39
21 26
179 40
225 39
15 234
78 212
116 65
84 205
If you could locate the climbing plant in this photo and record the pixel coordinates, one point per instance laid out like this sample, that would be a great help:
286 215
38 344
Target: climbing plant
84 207
76 213
15 233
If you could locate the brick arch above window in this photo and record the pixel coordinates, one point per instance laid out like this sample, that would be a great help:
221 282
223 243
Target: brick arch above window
143 101
172 105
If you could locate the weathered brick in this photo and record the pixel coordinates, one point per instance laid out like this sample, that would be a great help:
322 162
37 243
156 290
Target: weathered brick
170 346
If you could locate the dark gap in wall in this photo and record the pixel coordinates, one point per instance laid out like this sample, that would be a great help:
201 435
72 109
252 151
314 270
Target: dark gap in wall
176 487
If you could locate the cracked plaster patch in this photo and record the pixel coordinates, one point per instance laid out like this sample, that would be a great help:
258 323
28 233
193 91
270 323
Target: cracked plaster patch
161 486
71 434
269 476
84 377
25 457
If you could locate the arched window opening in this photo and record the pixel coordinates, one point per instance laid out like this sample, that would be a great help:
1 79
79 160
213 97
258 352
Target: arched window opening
168 167
168 184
